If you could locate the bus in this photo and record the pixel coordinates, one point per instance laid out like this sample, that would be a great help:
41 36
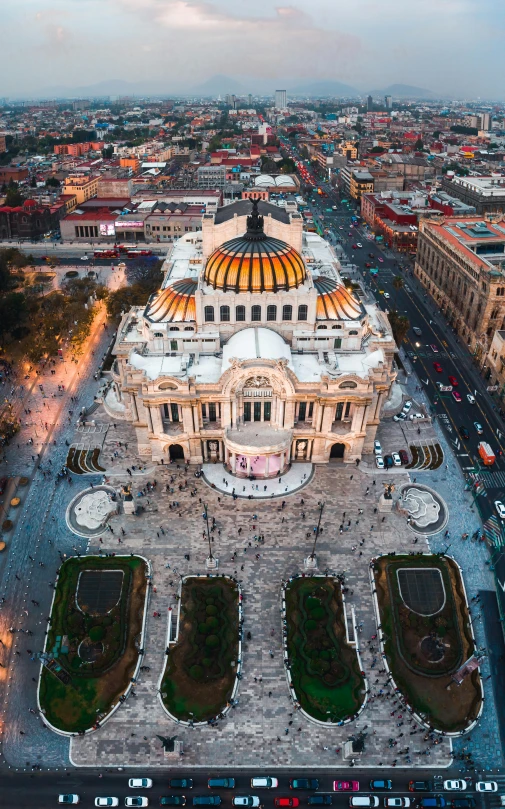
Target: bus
106 253
138 253
486 453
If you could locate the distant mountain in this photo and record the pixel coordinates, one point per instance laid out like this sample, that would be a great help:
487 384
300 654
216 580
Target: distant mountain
218 85
323 88
110 87
405 91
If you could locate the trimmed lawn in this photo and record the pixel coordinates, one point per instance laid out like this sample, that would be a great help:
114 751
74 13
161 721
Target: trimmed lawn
201 668
425 651
324 668
94 651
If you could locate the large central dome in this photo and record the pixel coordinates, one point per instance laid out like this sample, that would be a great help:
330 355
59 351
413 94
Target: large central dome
255 262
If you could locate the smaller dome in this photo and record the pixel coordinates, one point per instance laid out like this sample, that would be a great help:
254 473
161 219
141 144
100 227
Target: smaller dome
175 304
334 302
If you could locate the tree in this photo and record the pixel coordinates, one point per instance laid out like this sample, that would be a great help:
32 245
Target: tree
53 182
397 285
14 198
12 311
107 152
399 326
33 182
419 145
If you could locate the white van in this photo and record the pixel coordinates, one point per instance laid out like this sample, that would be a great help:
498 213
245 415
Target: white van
363 801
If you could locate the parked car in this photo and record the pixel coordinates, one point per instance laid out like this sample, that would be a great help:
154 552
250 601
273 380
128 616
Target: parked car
106 801
377 447
378 783
433 802
173 800
264 782
379 462
207 800
136 800
346 786
420 786
363 801
221 783
180 783
456 785
246 800
392 803
463 803
319 800
407 406
486 786
388 461
285 802
404 456
140 783
400 416
397 461
303 783
68 799
464 432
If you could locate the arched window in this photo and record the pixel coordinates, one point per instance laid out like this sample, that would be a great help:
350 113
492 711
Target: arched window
224 314
208 314
322 327
303 312
189 328
255 313
174 328
353 333
240 314
271 312
287 312
158 334
494 314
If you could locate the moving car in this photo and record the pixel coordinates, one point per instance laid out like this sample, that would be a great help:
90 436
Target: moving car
136 800
381 260
381 784
106 801
173 800
377 447
303 783
264 782
486 786
500 509
420 786
456 396
319 800
396 802
397 461
404 456
68 799
346 786
379 462
387 295
180 783
453 381
359 245
478 427
434 348
246 800
291 802
457 785
437 367
140 783
470 398
417 330
464 432
221 783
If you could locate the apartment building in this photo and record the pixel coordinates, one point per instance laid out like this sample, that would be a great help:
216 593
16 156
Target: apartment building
84 187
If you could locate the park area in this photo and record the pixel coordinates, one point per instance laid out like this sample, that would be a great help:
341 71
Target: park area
93 642
325 669
425 621
201 667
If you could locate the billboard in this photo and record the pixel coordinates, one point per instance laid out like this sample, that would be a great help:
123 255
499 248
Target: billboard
107 229
121 225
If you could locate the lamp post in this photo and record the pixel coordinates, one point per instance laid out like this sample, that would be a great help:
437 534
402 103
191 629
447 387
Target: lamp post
211 562
311 560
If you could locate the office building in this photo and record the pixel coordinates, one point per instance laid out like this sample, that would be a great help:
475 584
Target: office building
369 104
389 102
281 99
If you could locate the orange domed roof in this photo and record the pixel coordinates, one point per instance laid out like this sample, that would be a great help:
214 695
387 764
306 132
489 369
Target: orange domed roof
335 302
255 262
176 303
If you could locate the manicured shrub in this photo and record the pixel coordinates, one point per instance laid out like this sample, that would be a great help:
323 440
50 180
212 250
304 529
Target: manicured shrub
310 625
211 621
196 672
312 602
96 633
211 609
317 613
212 641
321 666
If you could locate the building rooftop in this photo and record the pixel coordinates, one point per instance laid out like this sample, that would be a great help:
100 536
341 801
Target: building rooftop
492 186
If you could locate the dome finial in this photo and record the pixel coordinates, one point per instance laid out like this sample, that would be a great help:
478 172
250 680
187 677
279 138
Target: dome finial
255 230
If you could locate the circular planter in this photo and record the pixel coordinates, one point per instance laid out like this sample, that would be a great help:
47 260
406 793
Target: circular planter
15 502
23 481
2 546
71 274
7 525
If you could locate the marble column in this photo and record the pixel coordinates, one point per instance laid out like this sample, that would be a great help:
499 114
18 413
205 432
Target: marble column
233 461
196 420
219 455
187 419
283 460
156 417
205 451
234 414
310 445
267 465
135 412
248 466
280 413
149 419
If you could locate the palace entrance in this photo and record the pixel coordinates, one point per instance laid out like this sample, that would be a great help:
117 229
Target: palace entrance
337 451
176 452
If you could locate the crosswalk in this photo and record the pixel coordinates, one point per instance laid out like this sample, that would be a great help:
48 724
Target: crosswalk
491 480
493 531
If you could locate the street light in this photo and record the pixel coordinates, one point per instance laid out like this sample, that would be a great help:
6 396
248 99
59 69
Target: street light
212 562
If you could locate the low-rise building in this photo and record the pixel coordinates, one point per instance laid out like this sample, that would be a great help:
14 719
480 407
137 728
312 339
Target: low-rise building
485 194
83 186
211 176
494 367
461 263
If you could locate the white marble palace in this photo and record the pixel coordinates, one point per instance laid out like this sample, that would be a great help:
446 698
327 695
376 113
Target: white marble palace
253 353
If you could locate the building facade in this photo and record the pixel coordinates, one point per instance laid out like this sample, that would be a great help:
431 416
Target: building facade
461 263
253 354
485 194
281 100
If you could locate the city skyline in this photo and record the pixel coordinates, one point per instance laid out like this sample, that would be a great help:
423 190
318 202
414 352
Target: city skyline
178 45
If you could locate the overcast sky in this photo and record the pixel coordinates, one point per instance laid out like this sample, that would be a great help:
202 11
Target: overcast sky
454 47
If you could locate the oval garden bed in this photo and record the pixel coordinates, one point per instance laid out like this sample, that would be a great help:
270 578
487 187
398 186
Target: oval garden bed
201 666
325 670
93 641
427 637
